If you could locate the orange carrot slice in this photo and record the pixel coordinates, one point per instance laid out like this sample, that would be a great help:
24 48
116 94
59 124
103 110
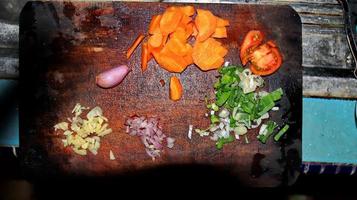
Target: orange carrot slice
206 24
170 20
134 45
145 56
155 40
188 10
222 22
220 32
154 26
205 54
195 31
189 29
170 61
185 20
188 57
180 33
177 46
175 89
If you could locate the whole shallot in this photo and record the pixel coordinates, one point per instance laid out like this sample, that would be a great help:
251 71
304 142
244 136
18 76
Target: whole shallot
112 77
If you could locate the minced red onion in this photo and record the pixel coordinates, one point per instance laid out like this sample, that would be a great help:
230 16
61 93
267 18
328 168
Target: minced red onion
150 132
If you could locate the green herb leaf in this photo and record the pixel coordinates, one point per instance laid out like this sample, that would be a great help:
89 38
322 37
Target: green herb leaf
214 119
276 94
281 132
226 79
222 141
222 98
271 126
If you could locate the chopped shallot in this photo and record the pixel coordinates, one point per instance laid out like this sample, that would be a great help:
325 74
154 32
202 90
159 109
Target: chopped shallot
189 135
170 142
150 132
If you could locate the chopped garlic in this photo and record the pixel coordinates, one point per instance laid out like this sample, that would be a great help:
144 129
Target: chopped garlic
84 134
85 145
81 152
111 155
67 132
105 132
95 112
202 133
62 126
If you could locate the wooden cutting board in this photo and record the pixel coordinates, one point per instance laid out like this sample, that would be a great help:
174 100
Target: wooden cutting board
63 46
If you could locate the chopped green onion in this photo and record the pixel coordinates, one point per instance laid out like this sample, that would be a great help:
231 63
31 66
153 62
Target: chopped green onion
281 132
217 84
223 141
222 98
214 107
271 126
276 95
214 119
232 122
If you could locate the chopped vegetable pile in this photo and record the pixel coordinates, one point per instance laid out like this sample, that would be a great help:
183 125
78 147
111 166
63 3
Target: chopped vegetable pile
84 134
239 106
170 40
150 132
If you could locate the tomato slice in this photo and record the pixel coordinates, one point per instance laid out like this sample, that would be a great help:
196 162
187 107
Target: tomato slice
266 59
251 41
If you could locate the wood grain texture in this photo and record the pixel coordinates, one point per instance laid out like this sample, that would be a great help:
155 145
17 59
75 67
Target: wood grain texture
62 42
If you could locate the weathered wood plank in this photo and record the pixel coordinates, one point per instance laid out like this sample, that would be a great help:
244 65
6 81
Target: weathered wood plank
324 47
9 35
329 87
322 20
318 9
9 67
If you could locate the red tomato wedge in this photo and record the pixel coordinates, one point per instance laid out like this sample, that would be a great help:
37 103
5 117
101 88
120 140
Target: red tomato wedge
265 59
252 40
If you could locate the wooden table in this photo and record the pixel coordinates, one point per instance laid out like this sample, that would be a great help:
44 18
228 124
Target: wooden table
326 57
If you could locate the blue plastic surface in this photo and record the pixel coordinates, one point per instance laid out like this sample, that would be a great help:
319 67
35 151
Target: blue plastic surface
329 131
9 117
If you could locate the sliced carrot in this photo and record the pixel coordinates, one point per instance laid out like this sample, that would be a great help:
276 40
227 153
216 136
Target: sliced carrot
155 40
145 56
155 24
170 61
205 54
195 31
189 29
188 57
206 24
134 45
221 51
220 32
180 33
185 20
188 10
177 46
164 39
175 89
170 20
222 22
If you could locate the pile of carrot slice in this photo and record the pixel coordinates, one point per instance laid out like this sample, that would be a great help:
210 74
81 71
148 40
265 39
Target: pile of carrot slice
170 38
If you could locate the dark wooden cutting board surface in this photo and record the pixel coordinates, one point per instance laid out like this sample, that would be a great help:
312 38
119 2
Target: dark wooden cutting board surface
63 46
